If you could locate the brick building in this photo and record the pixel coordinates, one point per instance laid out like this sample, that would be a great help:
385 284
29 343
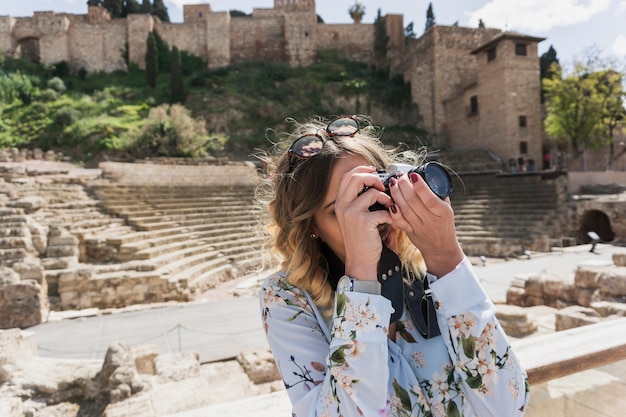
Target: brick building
475 88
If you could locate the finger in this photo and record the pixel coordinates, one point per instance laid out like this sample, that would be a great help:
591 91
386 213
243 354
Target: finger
355 182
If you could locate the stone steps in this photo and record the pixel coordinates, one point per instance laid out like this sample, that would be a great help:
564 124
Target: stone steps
176 234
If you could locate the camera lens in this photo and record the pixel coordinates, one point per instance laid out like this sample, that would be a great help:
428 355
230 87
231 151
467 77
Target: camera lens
437 178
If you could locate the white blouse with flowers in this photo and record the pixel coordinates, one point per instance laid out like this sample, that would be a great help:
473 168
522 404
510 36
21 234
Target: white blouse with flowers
350 368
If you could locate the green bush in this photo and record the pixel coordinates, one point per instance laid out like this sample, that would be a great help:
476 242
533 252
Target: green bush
56 84
168 131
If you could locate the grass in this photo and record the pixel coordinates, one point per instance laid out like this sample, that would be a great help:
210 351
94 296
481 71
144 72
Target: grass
97 113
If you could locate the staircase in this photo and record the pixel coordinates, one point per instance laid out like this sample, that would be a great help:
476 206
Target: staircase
506 214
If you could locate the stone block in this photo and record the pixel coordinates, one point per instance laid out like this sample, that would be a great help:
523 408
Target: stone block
534 286
607 308
62 251
516 296
177 366
612 281
25 304
145 356
514 320
63 240
30 269
575 316
619 259
259 365
59 263
584 296
586 277
8 276
30 204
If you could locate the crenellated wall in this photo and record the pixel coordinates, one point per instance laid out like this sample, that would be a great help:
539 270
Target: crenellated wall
289 32
446 66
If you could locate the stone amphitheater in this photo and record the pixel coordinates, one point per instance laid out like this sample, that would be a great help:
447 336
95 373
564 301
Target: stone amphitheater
128 234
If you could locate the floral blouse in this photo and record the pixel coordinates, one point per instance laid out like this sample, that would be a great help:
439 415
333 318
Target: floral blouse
349 367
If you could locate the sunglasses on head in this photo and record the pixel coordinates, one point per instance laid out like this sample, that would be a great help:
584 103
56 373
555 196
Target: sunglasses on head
309 145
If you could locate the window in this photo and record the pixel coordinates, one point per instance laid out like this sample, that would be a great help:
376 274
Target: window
523 147
491 54
473 105
520 49
522 121
200 14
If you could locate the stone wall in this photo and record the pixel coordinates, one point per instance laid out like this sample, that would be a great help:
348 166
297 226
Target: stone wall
442 69
446 66
289 32
238 174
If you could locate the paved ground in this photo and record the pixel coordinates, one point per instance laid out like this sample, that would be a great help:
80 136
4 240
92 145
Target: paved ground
221 327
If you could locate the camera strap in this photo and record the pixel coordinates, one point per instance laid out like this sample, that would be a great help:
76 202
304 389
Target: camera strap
416 295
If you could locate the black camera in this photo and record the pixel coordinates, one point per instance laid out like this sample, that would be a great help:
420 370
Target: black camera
435 175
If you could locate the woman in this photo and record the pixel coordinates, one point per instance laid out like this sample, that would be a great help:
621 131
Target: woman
376 312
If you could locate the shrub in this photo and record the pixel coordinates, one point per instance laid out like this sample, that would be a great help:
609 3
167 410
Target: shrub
169 131
56 84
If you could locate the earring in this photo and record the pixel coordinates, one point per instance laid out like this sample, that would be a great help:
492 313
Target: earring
313 236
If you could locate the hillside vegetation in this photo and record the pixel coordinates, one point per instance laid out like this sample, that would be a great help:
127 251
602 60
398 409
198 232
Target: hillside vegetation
225 112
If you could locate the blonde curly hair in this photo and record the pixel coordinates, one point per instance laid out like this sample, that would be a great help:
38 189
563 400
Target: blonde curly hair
293 192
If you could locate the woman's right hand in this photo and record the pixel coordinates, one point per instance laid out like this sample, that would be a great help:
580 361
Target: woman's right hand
360 228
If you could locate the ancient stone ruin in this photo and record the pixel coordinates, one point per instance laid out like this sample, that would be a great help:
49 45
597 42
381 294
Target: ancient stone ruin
159 231
594 293
130 381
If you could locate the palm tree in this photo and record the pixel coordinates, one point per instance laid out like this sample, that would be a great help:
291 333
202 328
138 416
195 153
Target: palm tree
357 10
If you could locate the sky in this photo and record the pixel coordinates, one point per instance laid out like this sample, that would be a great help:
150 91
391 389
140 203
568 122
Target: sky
572 27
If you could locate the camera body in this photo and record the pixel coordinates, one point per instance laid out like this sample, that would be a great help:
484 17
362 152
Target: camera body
433 173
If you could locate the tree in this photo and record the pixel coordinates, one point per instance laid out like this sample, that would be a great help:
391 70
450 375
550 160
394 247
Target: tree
159 10
94 2
357 11
548 63
163 53
584 108
146 7
381 40
409 33
611 88
548 67
176 78
430 17
114 7
130 7
152 62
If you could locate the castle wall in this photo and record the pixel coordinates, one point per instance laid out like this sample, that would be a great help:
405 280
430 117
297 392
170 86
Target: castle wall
7 23
258 39
139 25
96 46
354 41
301 35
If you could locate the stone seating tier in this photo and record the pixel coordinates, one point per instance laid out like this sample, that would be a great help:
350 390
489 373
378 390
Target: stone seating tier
189 237
504 215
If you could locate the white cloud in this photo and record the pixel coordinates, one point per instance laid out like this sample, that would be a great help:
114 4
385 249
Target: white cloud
537 15
618 47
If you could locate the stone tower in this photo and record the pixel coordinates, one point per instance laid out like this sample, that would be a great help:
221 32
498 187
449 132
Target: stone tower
514 122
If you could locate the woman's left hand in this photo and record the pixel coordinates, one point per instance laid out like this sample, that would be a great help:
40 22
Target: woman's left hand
428 221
